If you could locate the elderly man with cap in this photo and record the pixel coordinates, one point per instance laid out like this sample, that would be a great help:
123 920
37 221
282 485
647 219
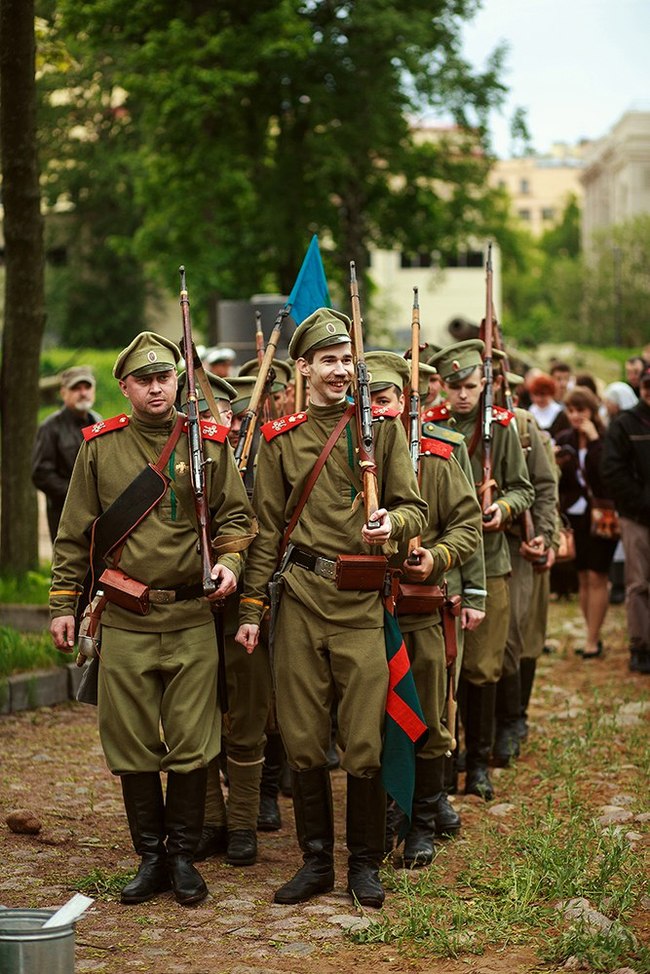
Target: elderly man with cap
452 534
329 642
158 668
460 367
59 437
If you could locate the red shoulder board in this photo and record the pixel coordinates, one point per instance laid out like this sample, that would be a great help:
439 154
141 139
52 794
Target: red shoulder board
436 448
276 426
213 431
105 426
436 413
502 416
384 412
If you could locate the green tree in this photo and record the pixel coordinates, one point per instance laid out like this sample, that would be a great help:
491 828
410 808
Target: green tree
259 123
24 317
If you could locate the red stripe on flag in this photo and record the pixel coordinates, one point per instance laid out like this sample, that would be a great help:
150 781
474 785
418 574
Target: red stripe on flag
403 715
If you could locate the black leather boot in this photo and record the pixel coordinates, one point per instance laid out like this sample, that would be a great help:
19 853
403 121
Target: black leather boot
242 847
145 811
268 819
184 809
508 710
527 669
450 772
479 731
366 832
312 805
432 813
394 822
213 842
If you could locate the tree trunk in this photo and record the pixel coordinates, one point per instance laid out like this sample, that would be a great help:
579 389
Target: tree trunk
24 285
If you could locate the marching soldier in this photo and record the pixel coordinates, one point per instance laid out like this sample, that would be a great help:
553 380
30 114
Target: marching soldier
329 642
159 667
460 369
452 534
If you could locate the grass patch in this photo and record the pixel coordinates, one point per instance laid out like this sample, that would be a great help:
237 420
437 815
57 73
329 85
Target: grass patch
103 885
29 589
20 652
506 886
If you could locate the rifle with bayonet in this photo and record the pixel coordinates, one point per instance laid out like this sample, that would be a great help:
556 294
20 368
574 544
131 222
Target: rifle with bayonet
197 460
486 417
259 350
260 390
363 411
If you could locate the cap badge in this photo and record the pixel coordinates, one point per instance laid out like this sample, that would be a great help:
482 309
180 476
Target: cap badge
151 356
330 328
455 365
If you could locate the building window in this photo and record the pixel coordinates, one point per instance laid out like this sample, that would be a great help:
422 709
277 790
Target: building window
524 187
548 213
415 260
524 214
464 258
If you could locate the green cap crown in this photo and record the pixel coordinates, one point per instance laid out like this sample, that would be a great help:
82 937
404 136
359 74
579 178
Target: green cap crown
220 390
243 386
387 369
283 372
457 362
147 353
322 328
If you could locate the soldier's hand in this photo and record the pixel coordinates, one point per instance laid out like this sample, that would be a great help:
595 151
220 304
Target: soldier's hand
548 564
381 534
418 573
471 618
533 549
62 632
492 518
226 582
248 636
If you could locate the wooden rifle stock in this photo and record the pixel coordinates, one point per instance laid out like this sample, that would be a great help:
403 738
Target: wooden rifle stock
415 423
363 411
259 349
197 460
249 421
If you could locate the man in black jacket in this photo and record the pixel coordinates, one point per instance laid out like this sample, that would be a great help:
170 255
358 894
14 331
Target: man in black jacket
625 468
59 437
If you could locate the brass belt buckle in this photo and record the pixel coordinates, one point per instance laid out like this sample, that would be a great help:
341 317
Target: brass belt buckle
161 596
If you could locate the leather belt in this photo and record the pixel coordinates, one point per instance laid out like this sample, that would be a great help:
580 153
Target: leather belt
309 560
163 596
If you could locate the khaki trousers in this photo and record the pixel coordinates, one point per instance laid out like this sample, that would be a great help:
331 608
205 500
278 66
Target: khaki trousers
484 647
636 542
426 651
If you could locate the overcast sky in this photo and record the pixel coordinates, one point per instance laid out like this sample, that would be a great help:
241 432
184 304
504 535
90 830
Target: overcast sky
575 65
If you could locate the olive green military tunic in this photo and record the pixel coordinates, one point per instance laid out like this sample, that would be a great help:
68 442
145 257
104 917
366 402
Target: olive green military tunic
541 473
485 646
453 535
160 667
328 643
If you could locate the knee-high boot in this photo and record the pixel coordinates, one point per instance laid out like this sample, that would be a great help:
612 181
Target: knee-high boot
312 805
479 731
366 830
145 811
527 669
268 819
243 806
214 834
184 809
432 813
508 710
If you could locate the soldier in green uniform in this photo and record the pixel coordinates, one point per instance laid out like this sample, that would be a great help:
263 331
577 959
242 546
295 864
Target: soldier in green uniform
157 669
460 368
452 534
282 376
329 643
523 554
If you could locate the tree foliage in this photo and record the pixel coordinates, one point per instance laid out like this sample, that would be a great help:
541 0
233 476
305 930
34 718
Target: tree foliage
224 135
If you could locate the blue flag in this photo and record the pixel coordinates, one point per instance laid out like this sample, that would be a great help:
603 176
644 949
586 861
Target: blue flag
310 290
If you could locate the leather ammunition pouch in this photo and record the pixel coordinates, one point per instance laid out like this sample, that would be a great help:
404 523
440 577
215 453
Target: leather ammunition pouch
361 573
126 592
414 599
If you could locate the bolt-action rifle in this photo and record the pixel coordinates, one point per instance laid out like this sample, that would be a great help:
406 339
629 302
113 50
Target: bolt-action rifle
488 394
197 460
415 423
366 448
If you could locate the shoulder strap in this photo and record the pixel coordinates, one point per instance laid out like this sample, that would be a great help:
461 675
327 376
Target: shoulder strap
313 476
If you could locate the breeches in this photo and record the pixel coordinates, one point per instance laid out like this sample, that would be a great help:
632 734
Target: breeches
248 676
521 592
154 681
317 663
485 647
426 651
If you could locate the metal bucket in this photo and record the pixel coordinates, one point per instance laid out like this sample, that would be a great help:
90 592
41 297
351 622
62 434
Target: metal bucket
27 948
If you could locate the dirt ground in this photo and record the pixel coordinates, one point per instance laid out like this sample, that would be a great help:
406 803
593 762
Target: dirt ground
51 763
